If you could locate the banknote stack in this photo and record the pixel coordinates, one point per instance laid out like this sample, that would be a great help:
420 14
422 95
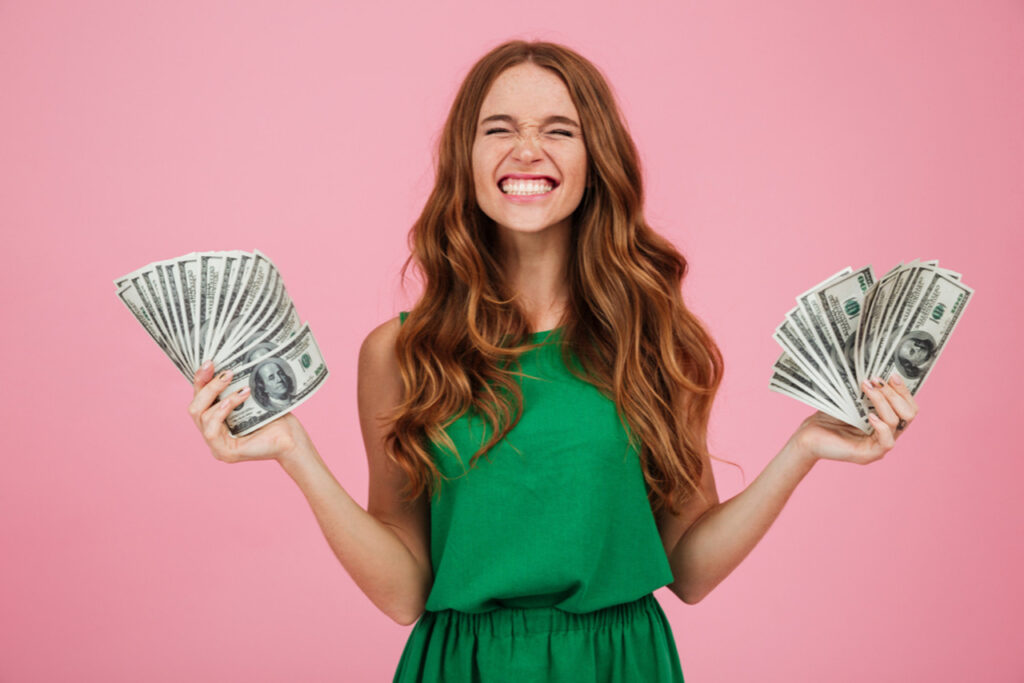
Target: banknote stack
230 307
851 328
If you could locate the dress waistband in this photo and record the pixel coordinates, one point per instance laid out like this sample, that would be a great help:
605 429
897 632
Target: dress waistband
509 622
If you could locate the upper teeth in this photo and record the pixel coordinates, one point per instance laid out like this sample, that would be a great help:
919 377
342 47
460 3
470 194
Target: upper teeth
515 186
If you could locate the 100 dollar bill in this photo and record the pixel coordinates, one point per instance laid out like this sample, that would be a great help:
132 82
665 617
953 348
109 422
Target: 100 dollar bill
278 382
850 328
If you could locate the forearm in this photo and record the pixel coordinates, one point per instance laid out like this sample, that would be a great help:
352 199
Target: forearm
371 552
718 541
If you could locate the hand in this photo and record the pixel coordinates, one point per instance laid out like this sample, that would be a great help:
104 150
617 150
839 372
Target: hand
279 440
823 436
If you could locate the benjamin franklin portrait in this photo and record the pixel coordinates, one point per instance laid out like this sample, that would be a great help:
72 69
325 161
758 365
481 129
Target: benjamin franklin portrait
272 385
915 353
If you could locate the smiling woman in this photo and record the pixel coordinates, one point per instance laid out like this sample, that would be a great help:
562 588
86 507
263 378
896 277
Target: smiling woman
536 426
545 553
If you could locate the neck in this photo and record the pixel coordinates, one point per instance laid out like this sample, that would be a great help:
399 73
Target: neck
535 264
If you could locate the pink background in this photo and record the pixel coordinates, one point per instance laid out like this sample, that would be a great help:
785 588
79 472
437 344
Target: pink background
780 141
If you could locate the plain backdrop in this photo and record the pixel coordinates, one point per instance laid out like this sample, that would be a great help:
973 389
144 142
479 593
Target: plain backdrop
780 142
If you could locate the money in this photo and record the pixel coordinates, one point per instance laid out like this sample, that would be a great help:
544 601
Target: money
278 382
232 308
851 327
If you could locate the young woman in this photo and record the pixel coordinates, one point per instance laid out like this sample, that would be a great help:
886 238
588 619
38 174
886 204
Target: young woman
536 425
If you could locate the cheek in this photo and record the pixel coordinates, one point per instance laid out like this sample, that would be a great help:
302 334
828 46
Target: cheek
580 179
482 171
579 168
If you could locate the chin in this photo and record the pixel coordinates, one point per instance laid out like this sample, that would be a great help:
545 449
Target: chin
525 229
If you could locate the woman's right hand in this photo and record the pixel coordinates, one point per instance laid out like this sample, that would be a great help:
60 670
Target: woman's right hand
282 439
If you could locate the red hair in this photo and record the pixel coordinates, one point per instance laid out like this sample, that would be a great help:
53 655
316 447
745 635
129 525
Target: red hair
627 330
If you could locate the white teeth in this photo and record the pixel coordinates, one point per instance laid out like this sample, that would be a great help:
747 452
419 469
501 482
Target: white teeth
526 187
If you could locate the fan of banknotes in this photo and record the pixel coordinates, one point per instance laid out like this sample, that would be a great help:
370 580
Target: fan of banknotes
850 328
230 307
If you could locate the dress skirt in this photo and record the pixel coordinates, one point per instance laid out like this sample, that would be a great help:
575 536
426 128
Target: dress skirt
626 643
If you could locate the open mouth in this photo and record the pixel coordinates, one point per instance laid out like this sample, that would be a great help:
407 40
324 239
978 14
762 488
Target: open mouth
527 186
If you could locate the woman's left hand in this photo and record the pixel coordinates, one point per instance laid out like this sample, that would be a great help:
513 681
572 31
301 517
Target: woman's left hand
823 436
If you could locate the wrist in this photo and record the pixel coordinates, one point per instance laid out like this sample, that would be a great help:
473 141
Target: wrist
298 459
798 453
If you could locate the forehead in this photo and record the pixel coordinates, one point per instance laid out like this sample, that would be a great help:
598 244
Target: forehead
528 91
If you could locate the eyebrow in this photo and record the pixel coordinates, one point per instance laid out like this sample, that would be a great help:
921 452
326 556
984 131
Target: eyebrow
549 120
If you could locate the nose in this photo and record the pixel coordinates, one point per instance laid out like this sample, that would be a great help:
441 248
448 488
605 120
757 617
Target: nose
527 147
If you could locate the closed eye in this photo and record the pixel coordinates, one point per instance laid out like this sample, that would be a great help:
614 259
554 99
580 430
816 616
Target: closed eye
565 133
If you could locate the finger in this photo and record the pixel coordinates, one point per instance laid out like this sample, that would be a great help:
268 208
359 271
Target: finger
903 409
901 388
205 396
213 426
883 433
881 403
203 375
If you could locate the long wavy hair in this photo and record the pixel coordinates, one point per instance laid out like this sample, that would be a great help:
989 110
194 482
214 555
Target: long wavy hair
626 329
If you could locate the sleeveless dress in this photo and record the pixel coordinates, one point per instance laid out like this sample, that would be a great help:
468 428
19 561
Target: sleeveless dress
546 552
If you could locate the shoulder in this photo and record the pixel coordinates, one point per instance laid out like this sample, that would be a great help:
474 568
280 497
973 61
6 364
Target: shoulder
377 352
382 337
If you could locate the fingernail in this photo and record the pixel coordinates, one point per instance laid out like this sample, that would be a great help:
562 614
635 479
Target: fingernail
205 366
244 390
866 385
877 382
896 379
224 376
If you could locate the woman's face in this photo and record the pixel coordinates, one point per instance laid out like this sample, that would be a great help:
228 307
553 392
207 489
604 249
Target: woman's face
529 160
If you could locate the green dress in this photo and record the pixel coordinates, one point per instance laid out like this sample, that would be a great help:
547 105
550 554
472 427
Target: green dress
546 552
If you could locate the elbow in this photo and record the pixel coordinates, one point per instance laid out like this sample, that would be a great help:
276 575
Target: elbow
404 613
689 594
417 605
408 613
406 618
406 609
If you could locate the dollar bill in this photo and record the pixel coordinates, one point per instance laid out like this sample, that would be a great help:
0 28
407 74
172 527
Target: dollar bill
905 293
789 379
278 382
841 303
251 297
870 324
851 327
132 299
230 307
788 336
813 307
921 340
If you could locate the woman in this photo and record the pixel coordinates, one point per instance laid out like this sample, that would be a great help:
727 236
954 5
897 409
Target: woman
536 425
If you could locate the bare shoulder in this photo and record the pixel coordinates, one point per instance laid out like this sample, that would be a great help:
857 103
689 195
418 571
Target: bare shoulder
377 353
379 392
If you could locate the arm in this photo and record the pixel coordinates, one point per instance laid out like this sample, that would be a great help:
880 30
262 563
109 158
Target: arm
384 549
376 552
725 533
710 539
